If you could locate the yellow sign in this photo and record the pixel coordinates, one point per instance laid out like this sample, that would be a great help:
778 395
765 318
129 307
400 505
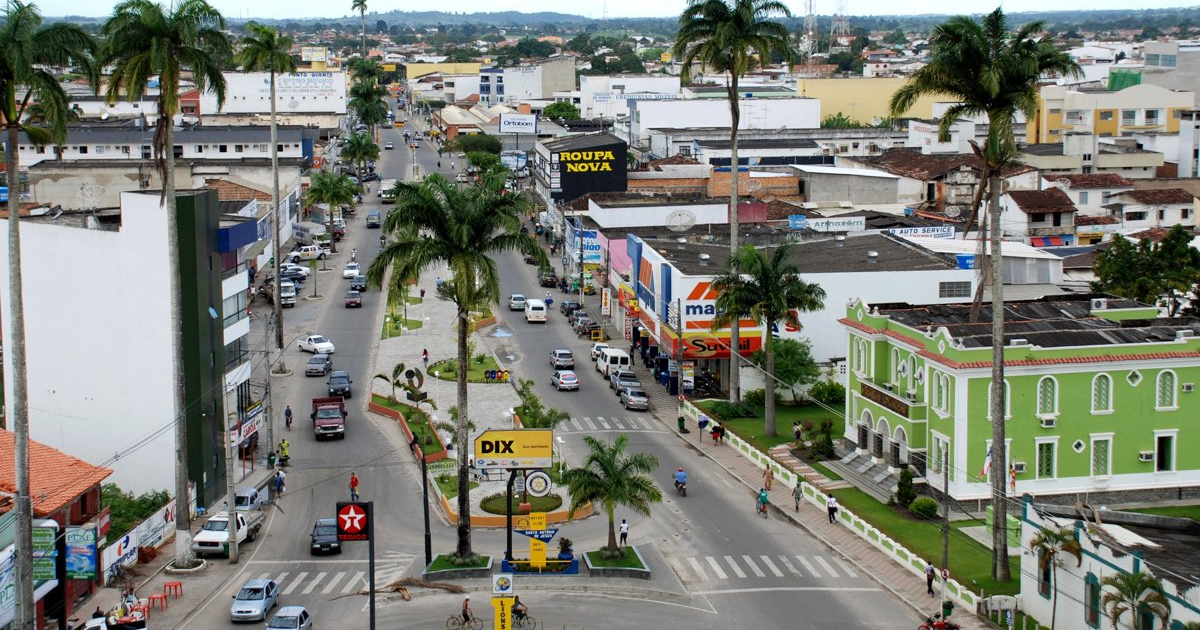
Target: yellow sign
502 606
537 521
537 554
389 67
587 161
517 448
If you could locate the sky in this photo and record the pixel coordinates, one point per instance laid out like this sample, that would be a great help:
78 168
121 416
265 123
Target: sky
293 9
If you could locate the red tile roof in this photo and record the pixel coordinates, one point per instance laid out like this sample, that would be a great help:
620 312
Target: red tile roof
1105 220
1049 200
233 191
55 478
1161 195
916 165
1096 180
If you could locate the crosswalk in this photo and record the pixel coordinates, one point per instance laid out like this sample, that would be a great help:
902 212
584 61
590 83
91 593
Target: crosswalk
697 569
337 577
601 424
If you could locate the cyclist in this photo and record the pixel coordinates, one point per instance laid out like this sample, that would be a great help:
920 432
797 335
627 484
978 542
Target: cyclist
382 240
519 610
680 478
287 417
467 615
763 500
353 254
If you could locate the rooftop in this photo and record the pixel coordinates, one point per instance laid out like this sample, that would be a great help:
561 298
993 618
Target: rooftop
207 134
1160 195
55 478
912 163
762 143
847 172
583 141
1042 201
1096 180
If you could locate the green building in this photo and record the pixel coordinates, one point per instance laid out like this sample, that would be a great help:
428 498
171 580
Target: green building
1100 396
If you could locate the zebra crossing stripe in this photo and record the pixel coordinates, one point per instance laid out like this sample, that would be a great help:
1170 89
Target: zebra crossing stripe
771 566
294 583
591 425
602 423
733 565
753 567
697 568
352 585
808 566
575 422
788 563
846 567
712 563
267 576
645 423
313 584
617 423
333 583
825 565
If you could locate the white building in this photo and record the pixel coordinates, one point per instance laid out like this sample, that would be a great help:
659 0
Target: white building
1164 207
529 81
608 96
1091 192
303 98
766 114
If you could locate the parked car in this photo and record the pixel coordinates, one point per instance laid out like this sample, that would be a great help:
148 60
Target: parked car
596 348
388 146
291 618
566 307
247 499
300 269
254 600
561 358
352 269
619 379
462 178
564 379
358 283
324 537
371 177
353 299
316 343
576 316
318 365
633 398
547 279
339 383
587 328
516 302
293 274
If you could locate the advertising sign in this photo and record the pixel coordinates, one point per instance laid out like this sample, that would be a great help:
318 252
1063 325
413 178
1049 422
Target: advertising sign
312 53
515 448
502 584
591 245
838 224
598 168
606 302
544 535
932 231
44 553
158 527
502 607
518 123
81 553
353 520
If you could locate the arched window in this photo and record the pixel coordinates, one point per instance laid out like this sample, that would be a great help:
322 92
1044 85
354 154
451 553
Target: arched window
1166 390
1047 396
896 367
1102 394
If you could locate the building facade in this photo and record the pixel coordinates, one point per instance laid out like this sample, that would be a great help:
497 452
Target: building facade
1104 113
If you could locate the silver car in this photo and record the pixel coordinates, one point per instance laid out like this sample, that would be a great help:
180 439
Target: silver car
291 618
254 600
632 398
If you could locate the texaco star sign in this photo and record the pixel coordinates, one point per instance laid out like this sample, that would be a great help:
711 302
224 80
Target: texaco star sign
352 522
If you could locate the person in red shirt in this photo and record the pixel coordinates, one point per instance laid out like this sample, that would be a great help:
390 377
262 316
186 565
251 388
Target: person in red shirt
353 487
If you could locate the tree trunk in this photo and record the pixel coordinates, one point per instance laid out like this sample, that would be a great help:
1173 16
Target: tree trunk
1054 600
769 428
25 615
612 528
735 118
183 532
276 305
464 454
999 469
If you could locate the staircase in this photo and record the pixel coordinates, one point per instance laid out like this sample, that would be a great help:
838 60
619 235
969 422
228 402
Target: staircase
870 477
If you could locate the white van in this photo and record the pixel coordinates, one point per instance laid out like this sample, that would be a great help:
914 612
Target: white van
287 293
612 359
535 311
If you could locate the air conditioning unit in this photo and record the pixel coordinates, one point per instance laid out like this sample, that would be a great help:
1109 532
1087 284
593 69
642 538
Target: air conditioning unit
1099 304
1018 467
1189 388
1048 423
1145 456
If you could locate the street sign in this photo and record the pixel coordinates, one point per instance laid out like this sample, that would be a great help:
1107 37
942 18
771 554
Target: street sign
1008 618
502 606
537 483
537 554
515 448
353 520
681 398
502 584
945 574
537 521
545 535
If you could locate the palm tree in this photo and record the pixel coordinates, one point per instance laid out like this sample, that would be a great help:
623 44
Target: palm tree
358 150
987 70
361 7
609 478
27 48
767 289
733 36
1134 593
268 49
332 190
1049 545
368 104
365 70
144 39
436 223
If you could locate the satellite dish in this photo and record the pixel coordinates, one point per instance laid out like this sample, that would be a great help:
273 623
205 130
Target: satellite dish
89 196
1063 183
680 221
953 212
753 185
104 114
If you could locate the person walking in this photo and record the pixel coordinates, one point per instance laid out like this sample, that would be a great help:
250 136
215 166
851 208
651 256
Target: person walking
287 417
930 576
798 493
425 357
831 507
797 433
768 477
353 486
624 532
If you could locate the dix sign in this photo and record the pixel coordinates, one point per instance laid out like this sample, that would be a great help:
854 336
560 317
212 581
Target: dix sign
518 448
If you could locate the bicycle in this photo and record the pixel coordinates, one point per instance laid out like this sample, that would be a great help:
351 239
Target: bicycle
455 622
761 508
524 623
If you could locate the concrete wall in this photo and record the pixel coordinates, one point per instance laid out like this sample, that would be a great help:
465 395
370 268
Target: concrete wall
852 188
773 113
608 96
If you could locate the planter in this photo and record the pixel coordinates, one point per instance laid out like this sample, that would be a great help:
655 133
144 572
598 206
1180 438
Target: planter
384 410
449 507
625 572
200 566
552 568
459 574
524 508
482 322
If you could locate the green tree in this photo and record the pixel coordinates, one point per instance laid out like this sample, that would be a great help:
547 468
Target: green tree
144 39
483 160
581 43
986 70
842 121
794 363
1165 272
367 101
358 150
1051 545
733 37
534 413
435 223
361 7
768 289
895 37
610 478
333 190
470 142
905 492
1133 593
266 49
561 109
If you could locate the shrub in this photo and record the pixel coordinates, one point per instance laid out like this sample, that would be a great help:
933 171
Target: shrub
924 507
726 410
755 397
128 510
823 445
828 392
905 493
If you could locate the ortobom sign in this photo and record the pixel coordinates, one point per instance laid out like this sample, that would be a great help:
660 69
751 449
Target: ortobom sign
518 123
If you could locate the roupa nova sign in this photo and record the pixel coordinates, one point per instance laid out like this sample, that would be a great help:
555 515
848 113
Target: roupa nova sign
587 161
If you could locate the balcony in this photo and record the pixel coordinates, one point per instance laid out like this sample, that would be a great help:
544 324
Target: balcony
898 403
1058 230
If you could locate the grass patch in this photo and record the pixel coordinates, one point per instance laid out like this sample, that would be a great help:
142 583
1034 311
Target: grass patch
447 483
418 423
1178 511
751 429
445 562
495 503
628 560
397 325
970 562
447 369
824 470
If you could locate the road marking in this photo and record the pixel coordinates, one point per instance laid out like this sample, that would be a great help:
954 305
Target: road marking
808 566
591 425
352 585
825 565
292 562
295 583
788 563
733 565
266 576
645 423
846 567
753 567
712 562
313 584
697 568
771 566
333 583
603 423
786 589
617 423
578 427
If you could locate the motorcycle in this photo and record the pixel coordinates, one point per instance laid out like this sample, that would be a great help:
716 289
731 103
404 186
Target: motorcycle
283 460
681 488
937 623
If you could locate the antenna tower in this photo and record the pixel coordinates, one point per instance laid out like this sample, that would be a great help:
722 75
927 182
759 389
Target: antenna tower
839 36
808 39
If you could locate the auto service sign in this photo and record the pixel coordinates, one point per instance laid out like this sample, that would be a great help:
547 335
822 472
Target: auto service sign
518 123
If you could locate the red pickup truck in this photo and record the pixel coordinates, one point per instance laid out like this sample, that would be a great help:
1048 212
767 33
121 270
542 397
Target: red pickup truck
329 417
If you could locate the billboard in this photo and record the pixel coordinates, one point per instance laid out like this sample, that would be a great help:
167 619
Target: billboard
518 123
517 448
834 224
313 53
598 168
298 93
591 246
698 301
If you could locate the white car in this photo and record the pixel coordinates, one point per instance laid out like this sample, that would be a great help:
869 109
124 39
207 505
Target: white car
597 348
315 344
351 270
294 268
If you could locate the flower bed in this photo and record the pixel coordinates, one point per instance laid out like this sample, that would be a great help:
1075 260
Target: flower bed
411 418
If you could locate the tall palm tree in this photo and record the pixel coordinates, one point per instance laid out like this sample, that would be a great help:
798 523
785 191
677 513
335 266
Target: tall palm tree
989 71
1133 593
332 190
435 222
767 289
359 150
27 48
734 37
610 478
361 7
364 70
144 39
1050 545
266 49
368 104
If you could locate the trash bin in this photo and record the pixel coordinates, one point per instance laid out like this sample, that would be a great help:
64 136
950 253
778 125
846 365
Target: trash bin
947 608
271 459
680 421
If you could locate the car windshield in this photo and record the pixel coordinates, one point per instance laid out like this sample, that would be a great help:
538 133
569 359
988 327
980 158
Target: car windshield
319 339
635 393
250 593
216 526
285 622
325 530
241 500
317 360
329 412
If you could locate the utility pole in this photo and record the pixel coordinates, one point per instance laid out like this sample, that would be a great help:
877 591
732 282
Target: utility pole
579 235
679 361
945 522
232 443
267 400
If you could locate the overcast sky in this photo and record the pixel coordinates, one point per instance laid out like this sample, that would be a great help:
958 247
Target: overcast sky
281 9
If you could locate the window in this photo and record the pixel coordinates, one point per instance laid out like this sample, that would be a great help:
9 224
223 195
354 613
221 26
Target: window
99 149
1046 455
1037 217
1091 601
1047 397
1007 400
1045 573
1162 214
83 150
1165 391
895 367
859 355
224 148
1083 196
954 289
1102 394
1135 216
1128 116
1102 455
1164 451
941 392
1106 114
199 148
1153 116
1185 213
238 148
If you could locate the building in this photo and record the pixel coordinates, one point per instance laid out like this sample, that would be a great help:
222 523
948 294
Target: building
117 400
1084 153
1188 158
608 96
1099 397
1172 65
66 501
1089 193
306 99
529 81
855 185
1064 109
567 168
1165 207
760 152
757 113
1042 218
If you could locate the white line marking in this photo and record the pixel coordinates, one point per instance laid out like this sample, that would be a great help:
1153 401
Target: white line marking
846 567
646 423
825 565
712 562
808 566
790 567
753 567
265 576
785 589
575 422
313 584
603 423
295 583
771 566
697 568
293 562
591 425
617 423
333 583
352 585
736 569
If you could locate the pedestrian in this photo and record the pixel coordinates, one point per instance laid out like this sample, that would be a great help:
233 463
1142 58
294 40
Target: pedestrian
721 435
98 614
831 506
353 486
716 431
796 433
553 247
287 417
624 532
422 293
452 165
798 493
439 164
438 282
768 477
930 576
425 357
